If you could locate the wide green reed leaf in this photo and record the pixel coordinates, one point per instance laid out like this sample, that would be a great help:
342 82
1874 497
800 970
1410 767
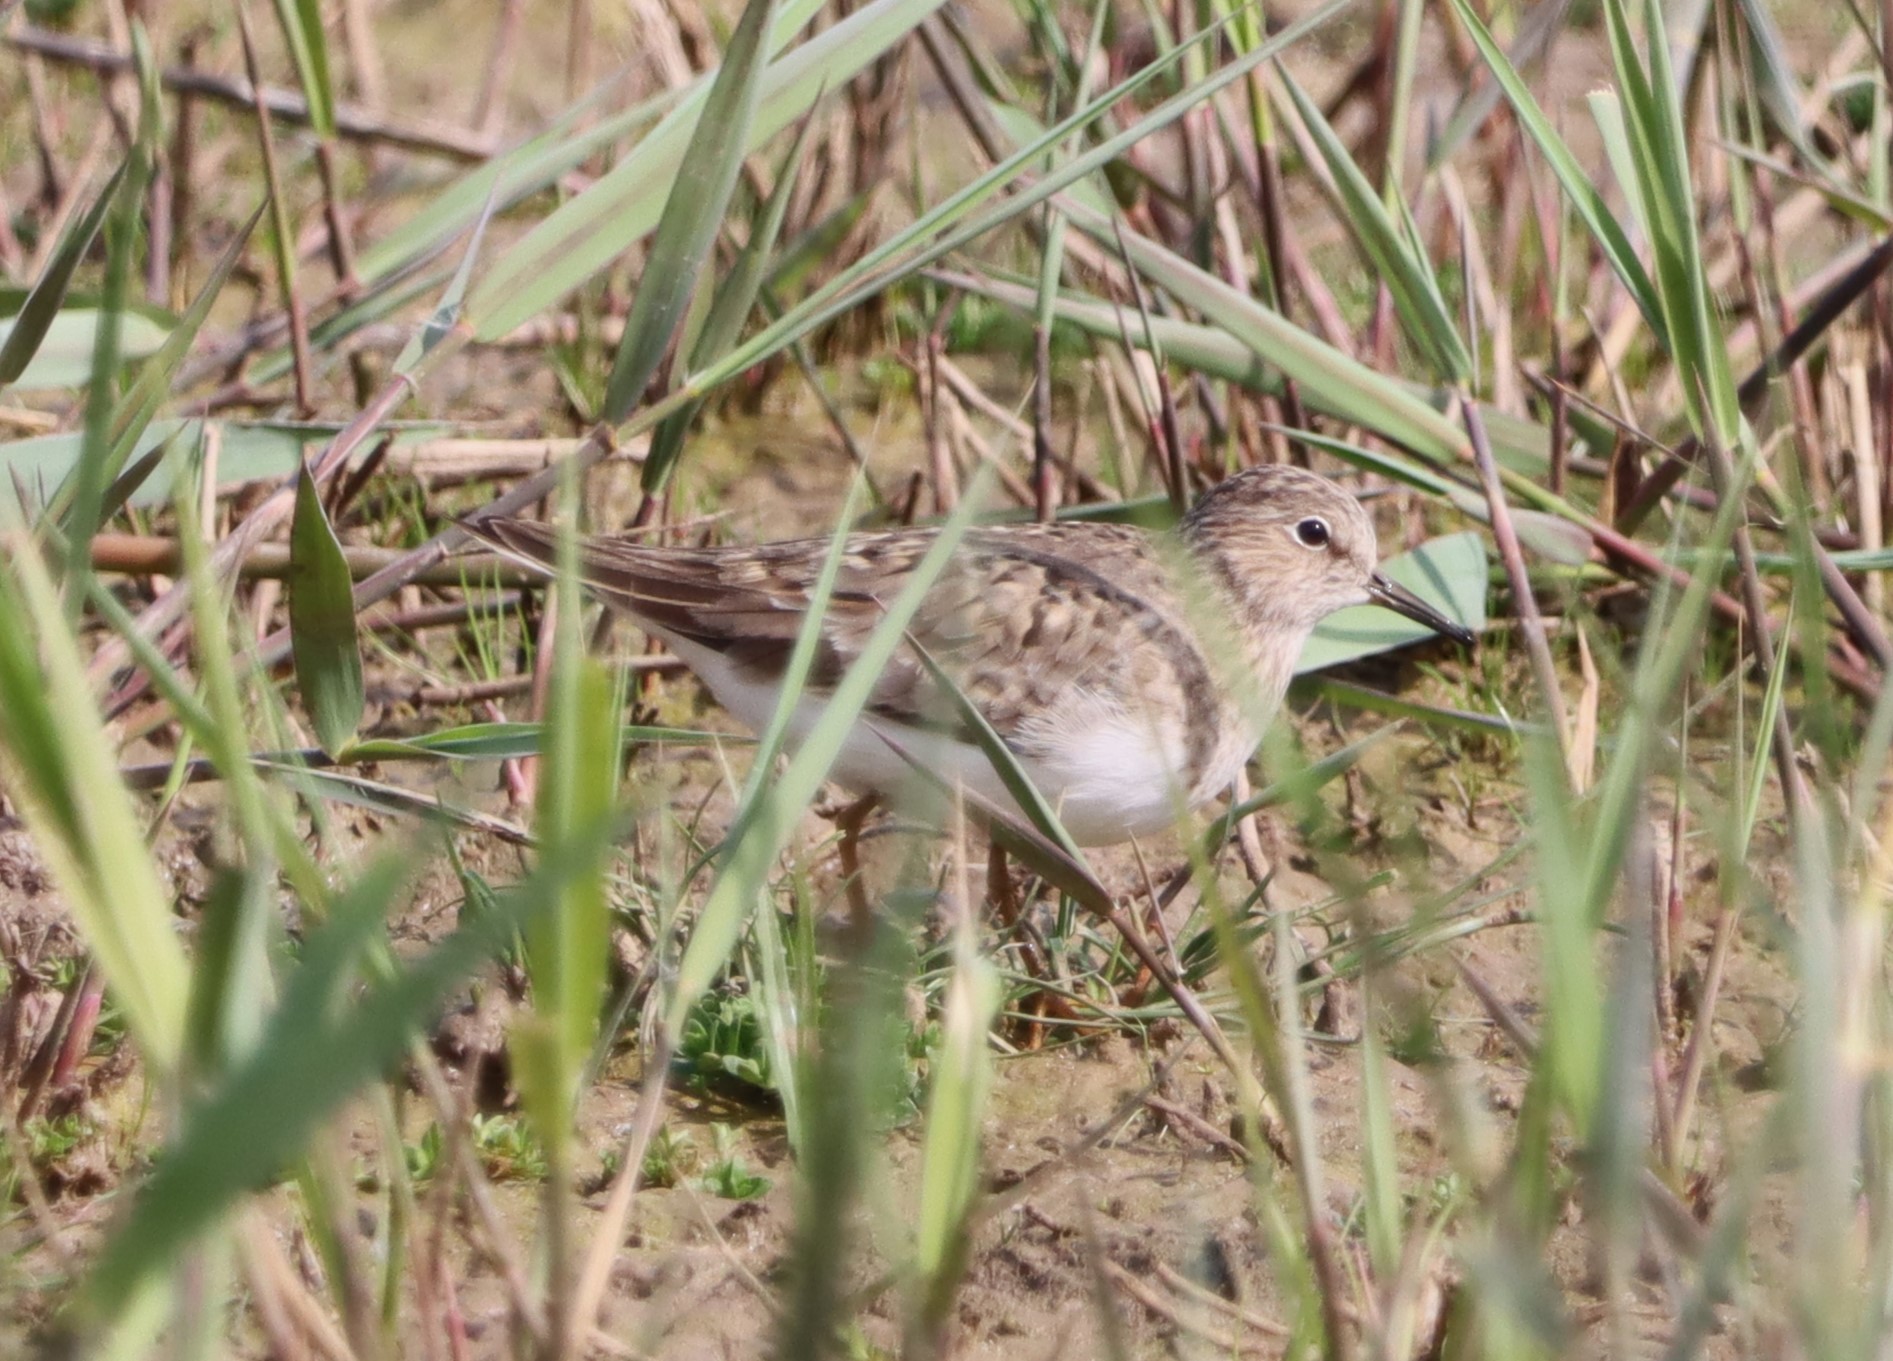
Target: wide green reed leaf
1448 572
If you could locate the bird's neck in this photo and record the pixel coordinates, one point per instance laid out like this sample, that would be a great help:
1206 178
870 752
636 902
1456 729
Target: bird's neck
1252 629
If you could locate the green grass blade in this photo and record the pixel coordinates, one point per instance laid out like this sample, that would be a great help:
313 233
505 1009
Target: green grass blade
1583 195
1004 762
505 181
322 622
36 314
1396 257
322 1043
567 945
1327 377
94 471
309 50
135 410
935 234
583 236
949 1156
735 297
1658 147
448 311
63 773
1359 395
777 806
693 213
1382 1168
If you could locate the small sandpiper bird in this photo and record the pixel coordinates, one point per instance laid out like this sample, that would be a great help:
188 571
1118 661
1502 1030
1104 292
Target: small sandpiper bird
1130 673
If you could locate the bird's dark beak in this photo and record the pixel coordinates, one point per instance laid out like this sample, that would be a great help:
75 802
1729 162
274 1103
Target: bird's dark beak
1400 600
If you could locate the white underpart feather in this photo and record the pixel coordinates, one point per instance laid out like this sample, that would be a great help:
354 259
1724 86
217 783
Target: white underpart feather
1108 774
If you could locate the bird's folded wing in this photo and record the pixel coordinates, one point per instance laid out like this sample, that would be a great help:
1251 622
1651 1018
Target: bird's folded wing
1012 623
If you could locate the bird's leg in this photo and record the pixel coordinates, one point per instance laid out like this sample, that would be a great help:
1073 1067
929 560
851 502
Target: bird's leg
1005 900
849 822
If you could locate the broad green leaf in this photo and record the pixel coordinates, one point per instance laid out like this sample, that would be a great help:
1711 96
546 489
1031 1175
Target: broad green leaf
65 344
247 451
322 622
1449 572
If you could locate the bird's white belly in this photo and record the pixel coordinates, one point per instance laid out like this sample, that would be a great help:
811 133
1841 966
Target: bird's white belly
1108 775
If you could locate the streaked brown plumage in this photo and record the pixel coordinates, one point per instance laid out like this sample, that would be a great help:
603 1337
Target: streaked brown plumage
1129 672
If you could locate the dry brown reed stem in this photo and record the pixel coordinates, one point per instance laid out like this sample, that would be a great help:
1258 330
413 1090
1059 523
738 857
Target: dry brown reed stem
1183 1285
364 58
970 394
499 1245
836 421
1821 314
1640 557
1185 1322
970 440
155 555
272 1277
1165 429
1859 620
1198 1127
341 246
352 122
489 104
944 480
1524 603
183 161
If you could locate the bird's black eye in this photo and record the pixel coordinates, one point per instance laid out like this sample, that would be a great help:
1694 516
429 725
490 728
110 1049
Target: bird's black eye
1312 532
